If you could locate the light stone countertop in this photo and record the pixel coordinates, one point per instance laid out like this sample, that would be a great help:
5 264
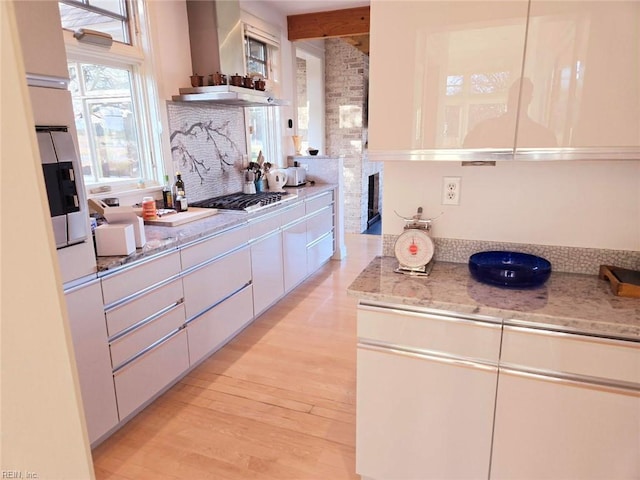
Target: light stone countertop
161 239
568 302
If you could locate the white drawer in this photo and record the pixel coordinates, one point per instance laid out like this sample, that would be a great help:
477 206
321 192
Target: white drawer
210 284
214 328
200 252
138 382
571 353
129 345
319 224
319 253
262 226
316 203
292 214
458 337
127 282
129 313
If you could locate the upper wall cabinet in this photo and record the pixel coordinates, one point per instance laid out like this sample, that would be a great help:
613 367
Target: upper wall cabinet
522 79
582 68
41 38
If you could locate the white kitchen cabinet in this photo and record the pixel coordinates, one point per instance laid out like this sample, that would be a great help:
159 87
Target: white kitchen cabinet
91 348
143 306
320 251
568 406
145 317
426 385
294 246
140 380
218 290
209 284
320 233
267 268
320 211
212 247
142 275
538 79
433 387
319 224
41 39
215 327
439 68
583 59
149 331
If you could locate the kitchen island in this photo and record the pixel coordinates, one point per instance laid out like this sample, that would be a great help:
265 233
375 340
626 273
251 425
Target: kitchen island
458 379
567 301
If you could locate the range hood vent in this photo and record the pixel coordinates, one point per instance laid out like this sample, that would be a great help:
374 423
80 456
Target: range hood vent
216 35
228 95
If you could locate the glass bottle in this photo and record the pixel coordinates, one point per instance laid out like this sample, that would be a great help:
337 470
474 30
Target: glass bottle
180 199
167 193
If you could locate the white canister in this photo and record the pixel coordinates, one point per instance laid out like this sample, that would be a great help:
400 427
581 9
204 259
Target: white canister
277 179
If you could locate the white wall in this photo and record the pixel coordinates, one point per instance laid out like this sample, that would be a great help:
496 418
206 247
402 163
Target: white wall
172 59
592 204
42 422
171 52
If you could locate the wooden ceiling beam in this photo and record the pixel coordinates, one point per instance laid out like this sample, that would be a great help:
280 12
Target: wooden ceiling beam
335 23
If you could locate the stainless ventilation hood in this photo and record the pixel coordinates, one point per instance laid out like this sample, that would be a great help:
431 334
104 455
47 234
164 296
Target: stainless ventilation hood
216 35
228 95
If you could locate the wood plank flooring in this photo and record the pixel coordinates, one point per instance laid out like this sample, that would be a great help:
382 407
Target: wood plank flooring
277 402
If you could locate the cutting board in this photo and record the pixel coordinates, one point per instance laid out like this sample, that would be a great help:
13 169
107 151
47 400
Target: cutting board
624 282
175 219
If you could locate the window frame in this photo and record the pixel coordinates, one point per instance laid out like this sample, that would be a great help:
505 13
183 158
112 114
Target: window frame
268 35
143 96
249 40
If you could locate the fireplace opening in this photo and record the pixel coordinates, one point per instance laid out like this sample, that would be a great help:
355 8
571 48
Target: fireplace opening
373 214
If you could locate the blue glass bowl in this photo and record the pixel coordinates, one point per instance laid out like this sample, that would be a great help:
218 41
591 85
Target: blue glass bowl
509 269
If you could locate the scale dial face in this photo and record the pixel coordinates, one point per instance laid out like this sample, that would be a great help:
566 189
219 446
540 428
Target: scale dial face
414 248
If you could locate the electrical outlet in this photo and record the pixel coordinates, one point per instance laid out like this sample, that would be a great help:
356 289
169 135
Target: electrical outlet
451 190
305 166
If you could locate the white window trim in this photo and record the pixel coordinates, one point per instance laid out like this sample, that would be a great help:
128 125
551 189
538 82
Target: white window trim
121 55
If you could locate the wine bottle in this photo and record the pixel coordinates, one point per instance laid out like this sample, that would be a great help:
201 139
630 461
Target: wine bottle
167 193
180 199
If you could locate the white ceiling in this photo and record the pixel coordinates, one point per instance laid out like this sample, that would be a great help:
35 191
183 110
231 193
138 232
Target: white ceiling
296 7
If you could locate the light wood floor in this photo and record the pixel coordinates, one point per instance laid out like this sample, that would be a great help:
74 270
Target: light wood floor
278 402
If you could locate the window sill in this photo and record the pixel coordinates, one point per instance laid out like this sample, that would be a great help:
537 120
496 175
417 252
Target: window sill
130 196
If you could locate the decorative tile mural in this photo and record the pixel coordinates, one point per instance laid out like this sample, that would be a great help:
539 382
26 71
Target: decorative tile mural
208 143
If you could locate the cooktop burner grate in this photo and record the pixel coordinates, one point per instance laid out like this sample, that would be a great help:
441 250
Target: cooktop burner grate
244 201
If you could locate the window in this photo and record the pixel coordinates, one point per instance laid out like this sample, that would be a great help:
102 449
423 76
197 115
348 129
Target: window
107 16
110 92
310 99
264 133
262 50
256 52
105 122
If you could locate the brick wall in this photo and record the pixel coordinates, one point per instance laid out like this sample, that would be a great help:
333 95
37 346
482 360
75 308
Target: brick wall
303 109
346 83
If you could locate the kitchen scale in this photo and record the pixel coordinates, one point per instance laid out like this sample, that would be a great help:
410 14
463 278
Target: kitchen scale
414 248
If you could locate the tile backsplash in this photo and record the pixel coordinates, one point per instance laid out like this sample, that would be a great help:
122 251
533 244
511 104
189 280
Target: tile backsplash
207 147
563 259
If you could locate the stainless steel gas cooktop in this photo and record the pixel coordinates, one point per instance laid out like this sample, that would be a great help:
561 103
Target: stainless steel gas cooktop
247 202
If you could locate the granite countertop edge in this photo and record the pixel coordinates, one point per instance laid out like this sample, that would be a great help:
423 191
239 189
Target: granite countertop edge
160 239
572 303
